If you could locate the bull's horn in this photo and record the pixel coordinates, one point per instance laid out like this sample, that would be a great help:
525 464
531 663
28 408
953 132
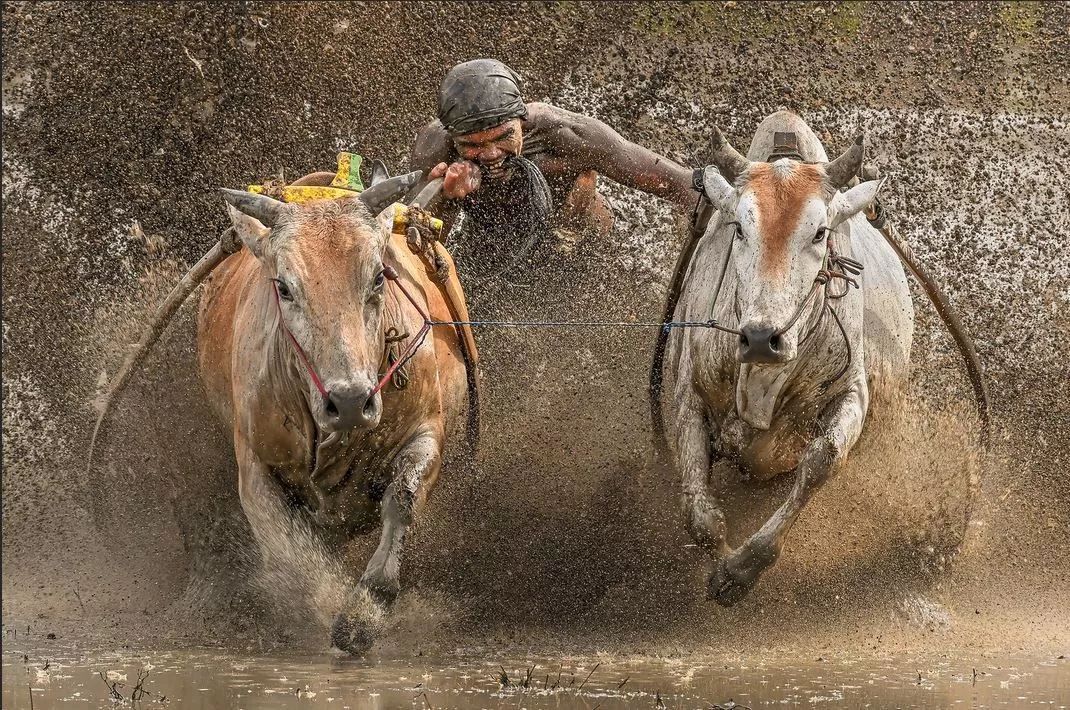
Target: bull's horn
727 159
383 194
164 313
265 209
431 191
379 172
840 171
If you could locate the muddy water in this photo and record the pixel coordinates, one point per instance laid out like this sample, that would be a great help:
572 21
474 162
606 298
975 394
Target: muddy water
62 674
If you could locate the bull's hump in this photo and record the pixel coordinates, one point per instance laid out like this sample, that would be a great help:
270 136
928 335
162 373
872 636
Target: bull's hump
809 145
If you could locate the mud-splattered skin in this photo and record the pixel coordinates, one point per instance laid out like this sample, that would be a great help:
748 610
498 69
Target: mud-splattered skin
571 151
768 411
335 460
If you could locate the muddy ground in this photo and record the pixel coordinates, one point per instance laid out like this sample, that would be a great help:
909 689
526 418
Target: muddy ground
121 120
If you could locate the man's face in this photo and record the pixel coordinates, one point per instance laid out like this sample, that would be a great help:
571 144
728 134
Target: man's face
491 147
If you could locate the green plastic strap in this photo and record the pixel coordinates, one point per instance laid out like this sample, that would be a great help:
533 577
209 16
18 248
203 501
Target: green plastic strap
353 181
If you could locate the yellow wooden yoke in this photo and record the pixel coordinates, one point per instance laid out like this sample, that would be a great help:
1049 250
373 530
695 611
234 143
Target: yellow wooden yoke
346 183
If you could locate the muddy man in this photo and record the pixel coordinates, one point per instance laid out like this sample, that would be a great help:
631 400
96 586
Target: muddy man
520 170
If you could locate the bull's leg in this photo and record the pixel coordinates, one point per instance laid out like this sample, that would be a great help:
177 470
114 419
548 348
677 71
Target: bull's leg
379 585
419 461
261 499
739 571
286 541
705 520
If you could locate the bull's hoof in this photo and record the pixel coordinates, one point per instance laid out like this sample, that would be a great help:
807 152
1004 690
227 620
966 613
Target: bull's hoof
382 591
735 575
352 634
725 589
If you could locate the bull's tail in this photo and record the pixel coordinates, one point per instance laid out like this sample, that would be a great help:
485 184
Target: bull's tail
164 313
947 314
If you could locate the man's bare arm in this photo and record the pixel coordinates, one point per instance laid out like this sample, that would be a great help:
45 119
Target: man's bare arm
586 143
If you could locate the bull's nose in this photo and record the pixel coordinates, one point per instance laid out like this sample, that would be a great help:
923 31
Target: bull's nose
760 344
352 407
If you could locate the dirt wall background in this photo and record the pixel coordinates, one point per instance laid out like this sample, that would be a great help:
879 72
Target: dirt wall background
121 120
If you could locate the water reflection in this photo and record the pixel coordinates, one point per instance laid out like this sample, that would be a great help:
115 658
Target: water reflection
60 675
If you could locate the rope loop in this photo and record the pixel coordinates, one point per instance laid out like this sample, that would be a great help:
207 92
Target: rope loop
400 378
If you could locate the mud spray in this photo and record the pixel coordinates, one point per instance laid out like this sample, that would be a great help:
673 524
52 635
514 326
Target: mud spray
562 537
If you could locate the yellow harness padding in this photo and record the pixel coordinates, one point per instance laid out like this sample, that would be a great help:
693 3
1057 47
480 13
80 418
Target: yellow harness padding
403 215
302 193
346 183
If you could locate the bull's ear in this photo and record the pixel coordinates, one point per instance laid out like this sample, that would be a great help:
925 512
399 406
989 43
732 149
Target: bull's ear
847 204
715 187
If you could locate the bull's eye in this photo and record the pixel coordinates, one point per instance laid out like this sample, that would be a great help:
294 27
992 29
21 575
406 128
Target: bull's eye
380 279
283 289
821 233
739 231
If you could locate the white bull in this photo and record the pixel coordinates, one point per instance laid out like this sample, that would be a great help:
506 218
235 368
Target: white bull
792 389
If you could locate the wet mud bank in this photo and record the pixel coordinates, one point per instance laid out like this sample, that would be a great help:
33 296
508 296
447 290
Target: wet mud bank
120 121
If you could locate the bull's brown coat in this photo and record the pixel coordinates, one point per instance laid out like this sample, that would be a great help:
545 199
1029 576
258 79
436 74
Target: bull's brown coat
258 388
780 191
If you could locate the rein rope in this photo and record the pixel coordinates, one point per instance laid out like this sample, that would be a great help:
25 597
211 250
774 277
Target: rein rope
391 338
400 360
324 392
835 266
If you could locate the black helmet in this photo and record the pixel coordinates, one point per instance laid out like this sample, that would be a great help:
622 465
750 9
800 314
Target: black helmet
478 95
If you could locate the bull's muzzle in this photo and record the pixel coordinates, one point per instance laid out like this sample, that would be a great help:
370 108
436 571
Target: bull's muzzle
352 406
762 344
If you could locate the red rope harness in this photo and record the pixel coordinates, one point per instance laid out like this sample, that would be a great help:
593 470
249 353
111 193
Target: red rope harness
417 340
392 276
297 346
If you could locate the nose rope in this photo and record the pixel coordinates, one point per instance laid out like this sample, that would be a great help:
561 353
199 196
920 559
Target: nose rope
847 341
297 346
392 340
848 269
395 366
834 266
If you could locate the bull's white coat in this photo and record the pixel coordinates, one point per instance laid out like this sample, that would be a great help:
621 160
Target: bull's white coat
771 418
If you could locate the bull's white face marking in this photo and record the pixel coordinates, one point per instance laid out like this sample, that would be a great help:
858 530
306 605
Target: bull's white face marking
781 211
784 211
326 259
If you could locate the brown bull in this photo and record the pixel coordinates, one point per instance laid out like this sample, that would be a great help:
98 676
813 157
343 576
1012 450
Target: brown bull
292 339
